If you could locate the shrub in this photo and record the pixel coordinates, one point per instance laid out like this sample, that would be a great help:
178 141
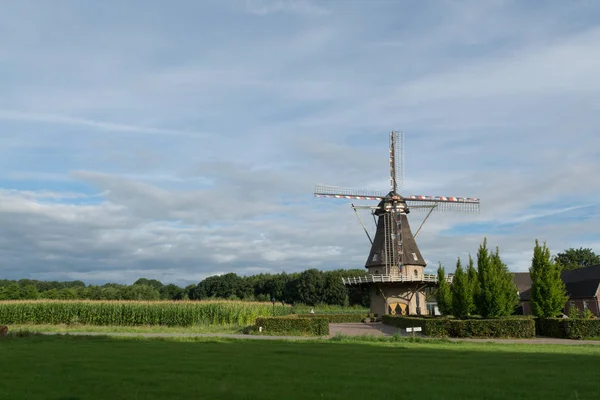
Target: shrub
493 328
550 327
473 327
294 325
434 327
338 318
568 328
582 328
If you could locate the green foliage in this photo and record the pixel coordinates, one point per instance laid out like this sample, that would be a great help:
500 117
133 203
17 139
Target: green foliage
507 327
493 328
132 313
582 328
568 328
337 318
550 327
443 295
577 258
473 280
462 293
497 294
432 327
313 285
548 291
293 325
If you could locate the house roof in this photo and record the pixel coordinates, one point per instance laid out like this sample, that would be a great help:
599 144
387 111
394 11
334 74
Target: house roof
580 283
522 280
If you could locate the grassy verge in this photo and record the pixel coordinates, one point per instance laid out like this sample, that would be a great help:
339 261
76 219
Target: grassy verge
44 367
129 329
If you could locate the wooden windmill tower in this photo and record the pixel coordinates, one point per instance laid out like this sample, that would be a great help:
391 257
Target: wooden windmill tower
395 267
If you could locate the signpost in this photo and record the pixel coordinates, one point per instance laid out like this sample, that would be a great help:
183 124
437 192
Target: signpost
414 329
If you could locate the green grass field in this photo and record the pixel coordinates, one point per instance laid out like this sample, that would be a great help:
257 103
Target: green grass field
43 367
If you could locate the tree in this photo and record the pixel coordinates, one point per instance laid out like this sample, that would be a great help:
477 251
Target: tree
577 258
473 281
443 295
311 287
171 292
335 292
497 294
462 295
548 291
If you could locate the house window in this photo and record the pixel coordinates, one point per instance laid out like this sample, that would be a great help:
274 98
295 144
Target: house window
585 304
571 304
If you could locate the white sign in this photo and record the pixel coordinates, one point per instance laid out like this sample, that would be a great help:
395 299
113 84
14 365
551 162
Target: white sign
415 329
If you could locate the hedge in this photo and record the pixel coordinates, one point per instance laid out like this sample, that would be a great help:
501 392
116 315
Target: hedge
294 325
569 328
337 318
434 327
550 327
476 328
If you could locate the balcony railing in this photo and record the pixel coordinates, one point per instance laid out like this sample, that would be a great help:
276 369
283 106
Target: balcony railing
357 280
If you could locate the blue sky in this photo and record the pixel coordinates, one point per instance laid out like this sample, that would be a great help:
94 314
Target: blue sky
176 140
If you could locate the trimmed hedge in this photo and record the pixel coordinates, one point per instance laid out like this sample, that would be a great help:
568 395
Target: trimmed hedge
569 328
550 327
434 327
337 318
294 325
476 328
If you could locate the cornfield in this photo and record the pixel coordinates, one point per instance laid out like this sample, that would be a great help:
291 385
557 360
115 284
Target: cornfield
132 313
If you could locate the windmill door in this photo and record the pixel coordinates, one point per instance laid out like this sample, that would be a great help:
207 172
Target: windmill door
397 308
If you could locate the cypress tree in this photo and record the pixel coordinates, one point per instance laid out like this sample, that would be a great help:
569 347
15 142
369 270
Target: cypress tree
443 295
548 291
462 295
509 293
497 294
473 281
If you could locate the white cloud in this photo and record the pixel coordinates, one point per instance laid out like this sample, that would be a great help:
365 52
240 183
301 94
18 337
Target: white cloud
220 130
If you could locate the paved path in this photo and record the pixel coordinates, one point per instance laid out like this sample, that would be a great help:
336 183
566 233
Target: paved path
357 329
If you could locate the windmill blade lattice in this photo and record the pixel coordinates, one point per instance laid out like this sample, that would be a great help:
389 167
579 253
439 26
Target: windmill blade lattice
396 160
347 193
456 204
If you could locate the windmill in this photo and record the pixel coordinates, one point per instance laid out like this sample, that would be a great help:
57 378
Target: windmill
395 265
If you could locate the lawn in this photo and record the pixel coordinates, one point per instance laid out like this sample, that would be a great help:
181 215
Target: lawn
49 367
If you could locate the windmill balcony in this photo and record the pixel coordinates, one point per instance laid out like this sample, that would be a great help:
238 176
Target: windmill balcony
357 280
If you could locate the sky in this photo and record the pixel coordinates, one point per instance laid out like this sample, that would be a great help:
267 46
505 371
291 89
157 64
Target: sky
178 140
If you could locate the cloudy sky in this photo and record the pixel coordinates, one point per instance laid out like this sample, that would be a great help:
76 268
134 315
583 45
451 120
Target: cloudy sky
177 140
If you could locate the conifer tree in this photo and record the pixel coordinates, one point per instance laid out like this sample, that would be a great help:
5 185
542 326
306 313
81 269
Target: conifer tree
548 291
443 295
497 293
462 295
473 281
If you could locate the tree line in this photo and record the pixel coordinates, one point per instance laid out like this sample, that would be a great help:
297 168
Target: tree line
309 287
489 289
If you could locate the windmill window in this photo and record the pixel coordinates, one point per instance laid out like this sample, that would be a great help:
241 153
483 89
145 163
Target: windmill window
415 256
416 273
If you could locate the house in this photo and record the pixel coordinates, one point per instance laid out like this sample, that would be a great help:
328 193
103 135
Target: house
582 284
